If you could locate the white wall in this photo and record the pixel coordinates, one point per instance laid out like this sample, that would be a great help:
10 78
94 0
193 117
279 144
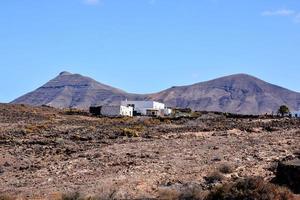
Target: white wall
142 106
167 111
126 111
158 106
112 111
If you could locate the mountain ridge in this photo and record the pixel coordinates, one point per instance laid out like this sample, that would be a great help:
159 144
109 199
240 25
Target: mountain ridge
237 93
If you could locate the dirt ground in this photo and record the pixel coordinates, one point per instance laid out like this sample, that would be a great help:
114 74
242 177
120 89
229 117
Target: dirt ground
44 152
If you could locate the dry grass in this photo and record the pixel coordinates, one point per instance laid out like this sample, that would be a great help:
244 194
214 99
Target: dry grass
129 132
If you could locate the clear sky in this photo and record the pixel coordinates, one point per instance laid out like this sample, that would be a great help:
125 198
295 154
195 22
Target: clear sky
145 46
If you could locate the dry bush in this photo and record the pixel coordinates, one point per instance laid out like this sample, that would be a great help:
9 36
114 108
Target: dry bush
128 132
151 122
169 194
33 128
196 114
121 120
250 189
72 196
139 128
269 128
192 193
226 168
214 177
74 111
78 196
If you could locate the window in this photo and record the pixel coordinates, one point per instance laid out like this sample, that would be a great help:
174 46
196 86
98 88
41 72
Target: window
131 105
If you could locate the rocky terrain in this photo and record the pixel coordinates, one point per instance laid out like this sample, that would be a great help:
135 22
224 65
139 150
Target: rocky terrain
46 152
238 93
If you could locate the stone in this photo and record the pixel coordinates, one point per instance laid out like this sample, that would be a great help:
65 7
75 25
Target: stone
288 174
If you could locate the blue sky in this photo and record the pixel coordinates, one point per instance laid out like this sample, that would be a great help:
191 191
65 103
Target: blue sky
145 46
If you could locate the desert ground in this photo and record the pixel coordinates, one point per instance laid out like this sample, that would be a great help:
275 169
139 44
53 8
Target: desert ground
46 152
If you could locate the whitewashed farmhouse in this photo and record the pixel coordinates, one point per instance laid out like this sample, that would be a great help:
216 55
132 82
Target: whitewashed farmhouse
148 108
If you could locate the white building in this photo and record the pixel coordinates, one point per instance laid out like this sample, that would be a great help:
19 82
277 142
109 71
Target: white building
115 111
151 108
168 111
295 114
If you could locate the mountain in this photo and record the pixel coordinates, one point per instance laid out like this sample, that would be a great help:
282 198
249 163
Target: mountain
73 90
240 93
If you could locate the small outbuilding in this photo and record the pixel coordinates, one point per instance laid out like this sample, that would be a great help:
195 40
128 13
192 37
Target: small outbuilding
95 110
112 111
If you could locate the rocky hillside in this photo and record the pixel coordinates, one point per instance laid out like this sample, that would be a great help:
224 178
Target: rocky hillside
73 90
239 93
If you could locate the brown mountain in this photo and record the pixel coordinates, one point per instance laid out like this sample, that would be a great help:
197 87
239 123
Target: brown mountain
73 90
239 93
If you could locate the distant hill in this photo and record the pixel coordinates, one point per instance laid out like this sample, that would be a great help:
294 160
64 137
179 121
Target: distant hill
238 93
73 90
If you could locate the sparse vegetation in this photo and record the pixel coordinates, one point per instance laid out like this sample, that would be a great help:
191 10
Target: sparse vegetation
73 111
130 132
283 110
214 177
186 193
226 168
72 196
250 189
100 154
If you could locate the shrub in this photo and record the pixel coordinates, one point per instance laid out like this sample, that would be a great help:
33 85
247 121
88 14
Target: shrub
283 110
250 189
72 196
151 122
214 177
73 111
269 129
226 168
79 196
130 132
187 193
34 128
168 194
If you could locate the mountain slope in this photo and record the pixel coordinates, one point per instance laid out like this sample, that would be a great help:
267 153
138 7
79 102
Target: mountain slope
240 93
73 90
